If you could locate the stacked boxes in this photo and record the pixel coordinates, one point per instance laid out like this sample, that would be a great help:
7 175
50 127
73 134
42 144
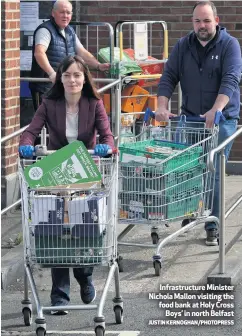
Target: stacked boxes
78 241
65 228
163 203
91 210
47 209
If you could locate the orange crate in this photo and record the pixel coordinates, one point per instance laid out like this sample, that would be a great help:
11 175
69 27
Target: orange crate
107 102
135 104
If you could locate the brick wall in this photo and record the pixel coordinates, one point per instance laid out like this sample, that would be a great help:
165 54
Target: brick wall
10 30
177 14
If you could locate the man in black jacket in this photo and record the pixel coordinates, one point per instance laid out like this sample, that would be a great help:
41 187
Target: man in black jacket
207 63
53 40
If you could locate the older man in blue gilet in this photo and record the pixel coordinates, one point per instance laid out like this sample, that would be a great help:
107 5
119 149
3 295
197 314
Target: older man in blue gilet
54 40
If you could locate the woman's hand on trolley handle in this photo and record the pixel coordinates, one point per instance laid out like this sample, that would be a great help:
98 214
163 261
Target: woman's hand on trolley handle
101 150
26 151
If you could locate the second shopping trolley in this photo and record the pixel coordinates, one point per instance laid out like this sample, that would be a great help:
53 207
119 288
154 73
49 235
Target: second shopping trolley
164 178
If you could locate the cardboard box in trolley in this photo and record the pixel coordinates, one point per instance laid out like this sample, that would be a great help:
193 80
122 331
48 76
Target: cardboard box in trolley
47 209
69 167
88 216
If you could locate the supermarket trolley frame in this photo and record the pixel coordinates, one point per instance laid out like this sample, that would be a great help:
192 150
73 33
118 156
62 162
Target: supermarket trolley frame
77 243
157 34
180 180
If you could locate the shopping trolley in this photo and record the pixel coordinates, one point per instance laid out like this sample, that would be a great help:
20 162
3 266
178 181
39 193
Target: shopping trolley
163 178
71 228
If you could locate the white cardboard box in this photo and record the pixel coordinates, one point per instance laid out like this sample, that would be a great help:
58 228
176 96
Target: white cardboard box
89 210
42 205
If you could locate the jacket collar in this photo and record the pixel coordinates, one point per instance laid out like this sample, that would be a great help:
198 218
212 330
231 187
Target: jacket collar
52 20
192 42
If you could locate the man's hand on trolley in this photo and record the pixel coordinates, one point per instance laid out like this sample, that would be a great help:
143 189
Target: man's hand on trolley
209 116
101 150
162 114
103 66
52 76
26 151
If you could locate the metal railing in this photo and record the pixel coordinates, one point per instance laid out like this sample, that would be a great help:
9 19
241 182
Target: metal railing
43 80
111 83
117 83
222 162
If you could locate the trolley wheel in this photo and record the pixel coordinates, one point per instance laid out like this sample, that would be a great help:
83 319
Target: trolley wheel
27 316
40 332
157 267
154 237
118 315
120 264
99 331
186 221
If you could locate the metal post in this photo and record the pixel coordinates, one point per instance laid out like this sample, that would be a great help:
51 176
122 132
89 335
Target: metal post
169 105
43 136
78 16
117 116
222 214
26 287
179 99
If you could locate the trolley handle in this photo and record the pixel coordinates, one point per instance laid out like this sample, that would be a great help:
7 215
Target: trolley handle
42 151
218 115
113 151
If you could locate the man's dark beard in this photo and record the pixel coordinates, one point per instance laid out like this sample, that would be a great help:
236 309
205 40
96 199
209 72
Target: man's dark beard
206 37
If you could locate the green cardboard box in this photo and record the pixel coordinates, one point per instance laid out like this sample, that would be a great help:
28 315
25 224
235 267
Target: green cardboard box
69 167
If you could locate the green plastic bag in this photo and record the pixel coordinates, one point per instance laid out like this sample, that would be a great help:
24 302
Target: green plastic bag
127 66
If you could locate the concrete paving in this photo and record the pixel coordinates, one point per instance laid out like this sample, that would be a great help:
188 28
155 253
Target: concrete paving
184 261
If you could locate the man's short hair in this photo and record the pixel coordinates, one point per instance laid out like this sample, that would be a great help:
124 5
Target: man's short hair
203 3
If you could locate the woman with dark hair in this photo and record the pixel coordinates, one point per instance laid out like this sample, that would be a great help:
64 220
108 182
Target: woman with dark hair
72 110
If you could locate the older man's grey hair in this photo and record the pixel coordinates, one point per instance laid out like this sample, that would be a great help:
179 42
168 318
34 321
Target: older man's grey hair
58 2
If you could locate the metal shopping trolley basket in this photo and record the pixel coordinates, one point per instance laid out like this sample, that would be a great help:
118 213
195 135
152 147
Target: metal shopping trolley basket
71 227
163 178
